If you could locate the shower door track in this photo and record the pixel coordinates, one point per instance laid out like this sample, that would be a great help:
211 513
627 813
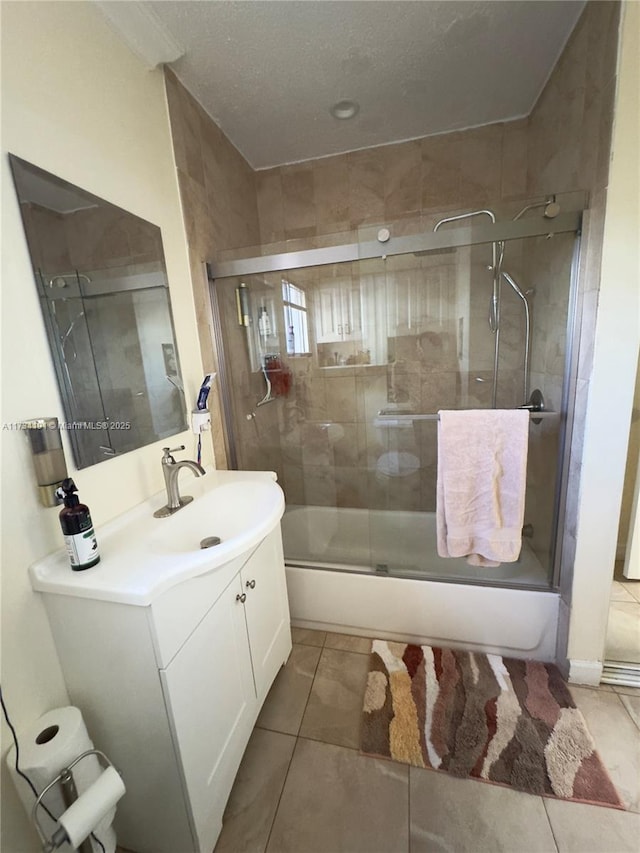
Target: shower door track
622 673
420 243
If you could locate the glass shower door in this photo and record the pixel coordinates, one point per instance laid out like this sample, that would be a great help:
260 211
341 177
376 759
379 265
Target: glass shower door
442 355
344 409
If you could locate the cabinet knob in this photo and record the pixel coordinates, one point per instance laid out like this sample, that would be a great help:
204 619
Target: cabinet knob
241 598
251 584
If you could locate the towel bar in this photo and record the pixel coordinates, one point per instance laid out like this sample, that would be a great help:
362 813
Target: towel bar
396 416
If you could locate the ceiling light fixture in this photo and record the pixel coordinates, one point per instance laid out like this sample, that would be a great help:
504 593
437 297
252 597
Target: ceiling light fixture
344 109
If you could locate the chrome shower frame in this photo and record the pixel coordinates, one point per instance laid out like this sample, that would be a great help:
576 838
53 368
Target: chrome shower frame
533 226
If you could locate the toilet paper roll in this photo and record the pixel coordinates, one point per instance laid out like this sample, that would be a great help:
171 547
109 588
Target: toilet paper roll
88 810
46 747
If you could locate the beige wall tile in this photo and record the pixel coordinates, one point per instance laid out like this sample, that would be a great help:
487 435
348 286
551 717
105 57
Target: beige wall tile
515 151
270 205
601 177
402 179
220 211
298 196
351 487
331 182
185 128
320 485
480 157
366 186
341 399
293 484
441 173
195 211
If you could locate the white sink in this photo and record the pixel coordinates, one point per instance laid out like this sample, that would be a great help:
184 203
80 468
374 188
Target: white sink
142 556
232 512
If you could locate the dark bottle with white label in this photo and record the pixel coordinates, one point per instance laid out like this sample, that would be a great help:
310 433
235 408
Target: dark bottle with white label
77 528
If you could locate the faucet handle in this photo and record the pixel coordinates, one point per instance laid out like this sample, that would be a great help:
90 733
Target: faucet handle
167 451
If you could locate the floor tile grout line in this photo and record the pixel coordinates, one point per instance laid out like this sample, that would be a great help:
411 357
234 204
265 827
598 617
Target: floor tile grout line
629 714
625 584
349 651
313 681
546 811
277 808
293 751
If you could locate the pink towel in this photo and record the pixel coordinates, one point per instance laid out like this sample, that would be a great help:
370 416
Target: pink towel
482 474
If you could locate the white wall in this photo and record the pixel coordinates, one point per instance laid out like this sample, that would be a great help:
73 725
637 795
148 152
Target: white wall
78 103
612 384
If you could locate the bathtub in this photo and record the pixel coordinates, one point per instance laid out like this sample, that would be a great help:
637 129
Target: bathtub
342 569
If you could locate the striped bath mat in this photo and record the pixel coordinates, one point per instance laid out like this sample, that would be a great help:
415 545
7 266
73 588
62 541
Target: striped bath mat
501 720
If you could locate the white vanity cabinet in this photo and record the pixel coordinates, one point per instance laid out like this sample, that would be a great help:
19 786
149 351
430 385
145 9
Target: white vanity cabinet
338 312
171 691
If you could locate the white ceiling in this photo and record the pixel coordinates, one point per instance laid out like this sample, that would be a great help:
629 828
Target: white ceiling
267 71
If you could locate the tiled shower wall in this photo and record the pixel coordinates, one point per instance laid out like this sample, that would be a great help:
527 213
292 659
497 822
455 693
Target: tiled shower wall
217 191
569 145
563 146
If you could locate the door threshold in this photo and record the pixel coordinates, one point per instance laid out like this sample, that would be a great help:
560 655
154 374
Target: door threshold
621 673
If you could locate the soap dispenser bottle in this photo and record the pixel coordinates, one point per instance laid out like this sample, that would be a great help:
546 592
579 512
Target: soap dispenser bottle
77 529
264 323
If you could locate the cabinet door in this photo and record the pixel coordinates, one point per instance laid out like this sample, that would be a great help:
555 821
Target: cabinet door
352 312
210 694
267 611
328 314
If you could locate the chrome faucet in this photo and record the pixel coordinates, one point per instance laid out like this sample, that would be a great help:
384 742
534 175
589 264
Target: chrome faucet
171 469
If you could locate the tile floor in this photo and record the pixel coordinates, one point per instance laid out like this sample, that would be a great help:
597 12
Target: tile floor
623 630
303 786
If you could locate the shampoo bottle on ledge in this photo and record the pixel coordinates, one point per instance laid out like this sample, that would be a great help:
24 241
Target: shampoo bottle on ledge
77 529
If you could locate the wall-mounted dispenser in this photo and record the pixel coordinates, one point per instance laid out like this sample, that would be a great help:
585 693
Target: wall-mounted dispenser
47 452
200 416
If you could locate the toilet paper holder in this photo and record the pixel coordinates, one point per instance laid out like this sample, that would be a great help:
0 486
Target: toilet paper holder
83 812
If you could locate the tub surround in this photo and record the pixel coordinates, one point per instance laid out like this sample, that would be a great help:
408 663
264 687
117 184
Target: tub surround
561 147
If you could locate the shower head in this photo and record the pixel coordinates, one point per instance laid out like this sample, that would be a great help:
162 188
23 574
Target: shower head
551 208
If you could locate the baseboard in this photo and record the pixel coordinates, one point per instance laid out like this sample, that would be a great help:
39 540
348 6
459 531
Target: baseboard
585 672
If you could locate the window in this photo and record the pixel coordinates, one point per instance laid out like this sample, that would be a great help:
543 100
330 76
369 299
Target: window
295 318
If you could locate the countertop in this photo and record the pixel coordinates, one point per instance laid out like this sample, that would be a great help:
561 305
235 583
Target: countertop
142 556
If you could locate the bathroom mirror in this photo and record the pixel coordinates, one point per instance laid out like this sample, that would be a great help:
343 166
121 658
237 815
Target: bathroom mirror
104 295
